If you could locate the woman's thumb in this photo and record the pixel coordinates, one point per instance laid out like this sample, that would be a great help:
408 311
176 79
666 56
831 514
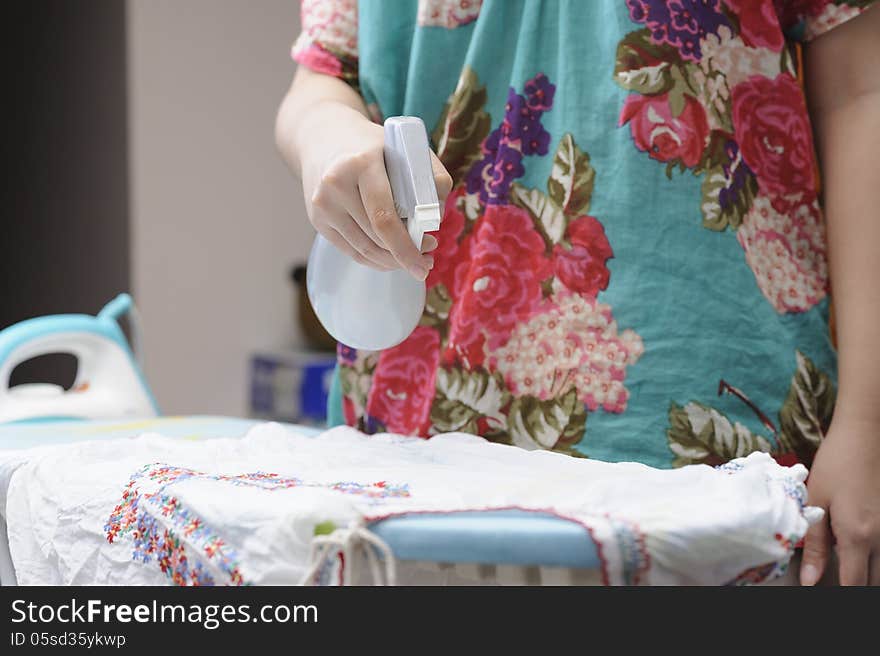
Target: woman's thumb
817 543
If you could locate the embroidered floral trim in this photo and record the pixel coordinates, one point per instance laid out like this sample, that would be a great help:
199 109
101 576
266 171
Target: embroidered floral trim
182 544
794 490
758 574
634 557
768 571
730 467
331 571
153 541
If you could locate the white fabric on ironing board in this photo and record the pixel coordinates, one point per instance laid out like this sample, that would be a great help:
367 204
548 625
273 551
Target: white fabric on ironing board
215 503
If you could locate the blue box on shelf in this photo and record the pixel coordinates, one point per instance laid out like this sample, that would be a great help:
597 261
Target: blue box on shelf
291 385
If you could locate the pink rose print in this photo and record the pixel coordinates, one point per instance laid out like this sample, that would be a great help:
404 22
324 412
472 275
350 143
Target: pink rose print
582 267
448 13
792 10
758 23
503 284
348 411
332 22
773 130
329 32
785 249
451 257
830 15
465 345
403 383
571 342
664 138
319 60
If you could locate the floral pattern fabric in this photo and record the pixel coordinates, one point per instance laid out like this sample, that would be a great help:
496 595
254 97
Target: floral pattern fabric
448 13
579 302
513 299
328 42
727 104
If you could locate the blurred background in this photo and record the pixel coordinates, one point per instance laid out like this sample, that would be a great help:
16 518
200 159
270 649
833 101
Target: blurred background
140 137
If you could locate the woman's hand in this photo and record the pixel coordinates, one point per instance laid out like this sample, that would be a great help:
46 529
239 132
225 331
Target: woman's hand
843 89
845 481
348 196
323 132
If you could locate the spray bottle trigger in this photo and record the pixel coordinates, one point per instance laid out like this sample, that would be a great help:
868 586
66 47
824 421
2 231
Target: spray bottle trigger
426 218
408 163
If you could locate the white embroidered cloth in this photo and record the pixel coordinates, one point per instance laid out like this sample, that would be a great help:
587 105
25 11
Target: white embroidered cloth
150 510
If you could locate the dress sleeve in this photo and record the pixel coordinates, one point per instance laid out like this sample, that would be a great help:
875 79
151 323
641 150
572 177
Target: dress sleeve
328 41
804 20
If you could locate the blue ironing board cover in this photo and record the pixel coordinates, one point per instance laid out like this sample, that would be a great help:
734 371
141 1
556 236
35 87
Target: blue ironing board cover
512 537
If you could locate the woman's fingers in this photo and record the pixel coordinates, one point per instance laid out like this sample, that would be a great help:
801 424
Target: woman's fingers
332 213
853 563
817 545
354 202
341 242
378 203
356 210
364 245
337 197
429 243
355 207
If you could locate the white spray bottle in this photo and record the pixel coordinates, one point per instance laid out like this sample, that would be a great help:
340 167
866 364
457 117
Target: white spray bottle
359 306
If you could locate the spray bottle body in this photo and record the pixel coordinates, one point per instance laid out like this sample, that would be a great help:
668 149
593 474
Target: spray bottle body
361 307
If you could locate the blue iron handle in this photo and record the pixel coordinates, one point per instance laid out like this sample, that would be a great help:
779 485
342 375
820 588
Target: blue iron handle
105 324
118 307
15 339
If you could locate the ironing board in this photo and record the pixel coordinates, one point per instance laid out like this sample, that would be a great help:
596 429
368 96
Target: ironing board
508 537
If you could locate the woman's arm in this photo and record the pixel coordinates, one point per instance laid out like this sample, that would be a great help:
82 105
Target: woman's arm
324 134
843 85
302 106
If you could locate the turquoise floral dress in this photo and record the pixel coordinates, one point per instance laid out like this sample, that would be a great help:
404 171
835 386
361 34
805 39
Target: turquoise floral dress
632 263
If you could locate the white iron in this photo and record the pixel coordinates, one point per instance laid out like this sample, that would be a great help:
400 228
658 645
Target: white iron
109 382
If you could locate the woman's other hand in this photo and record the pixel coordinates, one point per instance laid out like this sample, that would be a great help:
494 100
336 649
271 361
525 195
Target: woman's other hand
843 89
845 481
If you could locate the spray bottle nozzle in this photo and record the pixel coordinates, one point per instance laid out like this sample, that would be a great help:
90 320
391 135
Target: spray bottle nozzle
408 163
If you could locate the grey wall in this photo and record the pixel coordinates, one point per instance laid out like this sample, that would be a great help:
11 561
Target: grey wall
140 138
64 238
216 219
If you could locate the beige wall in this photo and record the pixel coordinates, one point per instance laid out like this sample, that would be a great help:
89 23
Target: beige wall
216 219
